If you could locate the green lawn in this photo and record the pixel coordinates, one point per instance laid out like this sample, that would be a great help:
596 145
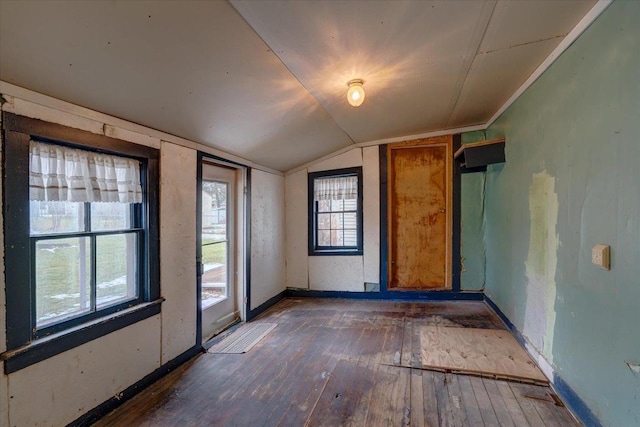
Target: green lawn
213 253
58 267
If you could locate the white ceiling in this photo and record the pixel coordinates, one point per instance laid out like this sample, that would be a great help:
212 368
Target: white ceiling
266 80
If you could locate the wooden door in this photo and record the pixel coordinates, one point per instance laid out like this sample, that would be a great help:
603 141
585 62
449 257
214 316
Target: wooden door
419 211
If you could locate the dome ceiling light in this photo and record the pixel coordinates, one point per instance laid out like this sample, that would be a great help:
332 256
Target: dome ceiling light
355 94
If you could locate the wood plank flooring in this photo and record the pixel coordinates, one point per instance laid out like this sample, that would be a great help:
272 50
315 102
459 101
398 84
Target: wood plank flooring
332 362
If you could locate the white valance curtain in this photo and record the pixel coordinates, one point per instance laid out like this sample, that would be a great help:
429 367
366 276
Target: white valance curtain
344 187
58 173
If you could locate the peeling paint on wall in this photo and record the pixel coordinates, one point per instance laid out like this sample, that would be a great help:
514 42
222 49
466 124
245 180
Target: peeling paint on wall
541 262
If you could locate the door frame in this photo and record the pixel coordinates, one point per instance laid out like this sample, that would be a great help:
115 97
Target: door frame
454 264
242 229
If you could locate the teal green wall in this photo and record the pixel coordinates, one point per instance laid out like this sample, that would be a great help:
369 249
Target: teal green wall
571 181
472 215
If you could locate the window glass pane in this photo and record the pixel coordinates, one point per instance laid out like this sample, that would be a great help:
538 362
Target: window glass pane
336 238
350 220
324 205
324 238
56 217
110 216
63 279
337 205
116 266
350 238
324 221
214 279
214 210
336 220
350 204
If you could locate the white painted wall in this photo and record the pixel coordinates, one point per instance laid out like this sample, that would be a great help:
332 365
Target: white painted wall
58 390
348 159
336 273
178 168
371 213
333 273
297 267
267 237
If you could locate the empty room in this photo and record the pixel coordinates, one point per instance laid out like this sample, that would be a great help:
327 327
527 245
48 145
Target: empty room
320 213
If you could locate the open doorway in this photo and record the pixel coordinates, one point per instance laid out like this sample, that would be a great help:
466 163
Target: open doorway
220 246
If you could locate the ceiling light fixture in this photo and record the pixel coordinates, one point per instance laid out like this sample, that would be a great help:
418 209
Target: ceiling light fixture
355 94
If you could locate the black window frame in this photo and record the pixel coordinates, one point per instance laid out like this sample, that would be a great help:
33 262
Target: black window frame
27 344
312 214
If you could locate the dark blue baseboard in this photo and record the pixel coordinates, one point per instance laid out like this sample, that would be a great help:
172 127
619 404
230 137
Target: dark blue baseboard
577 405
566 393
389 295
252 314
104 408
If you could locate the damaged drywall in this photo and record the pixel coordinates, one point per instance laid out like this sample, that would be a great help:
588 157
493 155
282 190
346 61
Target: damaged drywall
571 181
540 265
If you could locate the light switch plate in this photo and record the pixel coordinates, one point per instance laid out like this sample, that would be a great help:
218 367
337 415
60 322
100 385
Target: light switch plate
600 256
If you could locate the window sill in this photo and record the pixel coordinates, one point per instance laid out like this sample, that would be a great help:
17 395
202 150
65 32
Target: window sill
336 252
44 348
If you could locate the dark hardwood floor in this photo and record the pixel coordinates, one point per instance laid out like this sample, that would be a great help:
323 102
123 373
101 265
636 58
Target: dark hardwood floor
332 362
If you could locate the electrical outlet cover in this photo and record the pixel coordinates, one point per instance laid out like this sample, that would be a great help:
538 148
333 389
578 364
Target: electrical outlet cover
600 256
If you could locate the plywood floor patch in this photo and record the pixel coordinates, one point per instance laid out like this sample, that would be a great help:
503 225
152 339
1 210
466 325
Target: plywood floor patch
485 351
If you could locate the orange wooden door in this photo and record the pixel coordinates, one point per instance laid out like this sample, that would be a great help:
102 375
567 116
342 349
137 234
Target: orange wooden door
419 183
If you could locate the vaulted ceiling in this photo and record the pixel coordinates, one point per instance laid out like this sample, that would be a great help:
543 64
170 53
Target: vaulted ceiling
266 80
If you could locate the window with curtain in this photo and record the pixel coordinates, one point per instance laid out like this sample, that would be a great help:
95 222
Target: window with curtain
81 227
335 212
85 229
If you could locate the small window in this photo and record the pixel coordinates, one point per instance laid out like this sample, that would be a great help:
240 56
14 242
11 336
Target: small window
335 212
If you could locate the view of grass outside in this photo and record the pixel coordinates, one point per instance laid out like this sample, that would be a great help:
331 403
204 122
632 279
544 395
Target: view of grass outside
214 279
213 253
63 266
58 281
59 265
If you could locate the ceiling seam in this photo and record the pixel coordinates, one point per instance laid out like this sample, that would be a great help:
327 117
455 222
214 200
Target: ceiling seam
471 60
292 73
521 44
564 44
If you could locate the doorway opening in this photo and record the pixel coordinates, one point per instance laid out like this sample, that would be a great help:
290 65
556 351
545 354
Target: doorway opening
220 250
